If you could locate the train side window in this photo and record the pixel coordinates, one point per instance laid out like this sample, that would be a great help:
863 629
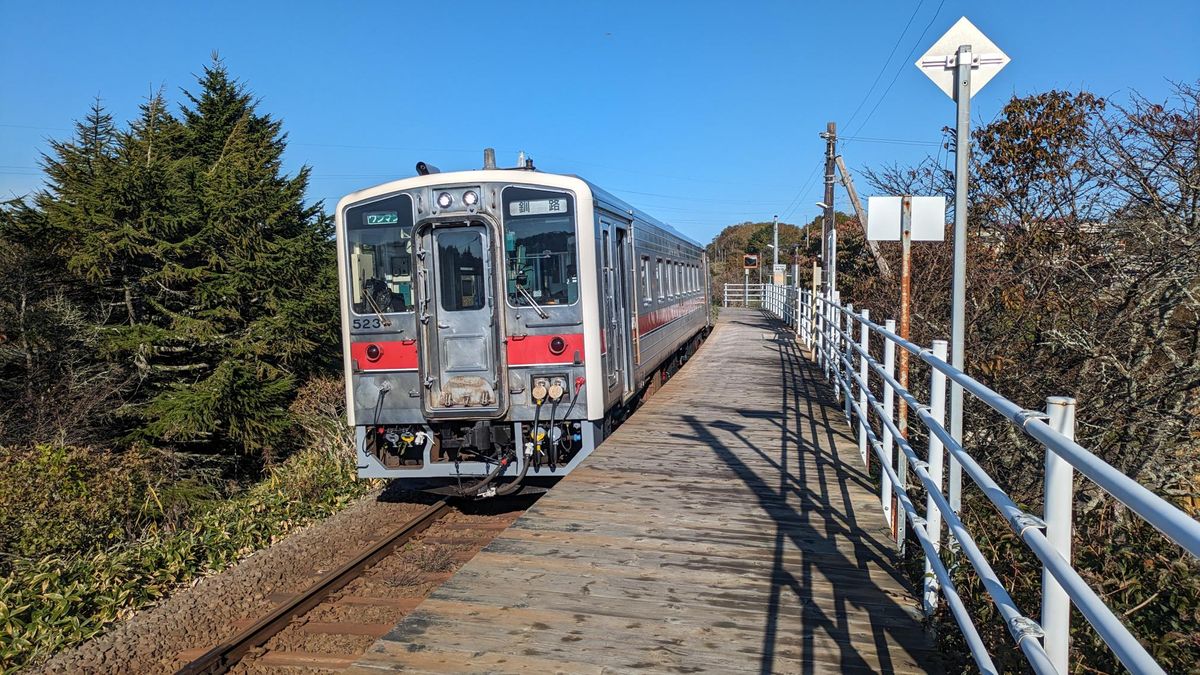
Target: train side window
658 279
647 291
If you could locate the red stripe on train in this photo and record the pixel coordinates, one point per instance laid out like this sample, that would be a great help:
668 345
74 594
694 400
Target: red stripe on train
660 317
526 350
392 355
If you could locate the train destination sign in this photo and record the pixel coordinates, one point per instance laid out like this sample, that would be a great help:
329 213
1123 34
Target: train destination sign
535 207
382 218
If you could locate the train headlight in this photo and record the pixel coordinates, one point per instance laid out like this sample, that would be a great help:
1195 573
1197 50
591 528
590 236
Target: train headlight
470 198
444 200
374 352
557 345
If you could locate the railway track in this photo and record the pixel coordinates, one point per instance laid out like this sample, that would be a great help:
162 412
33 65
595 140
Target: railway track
303 618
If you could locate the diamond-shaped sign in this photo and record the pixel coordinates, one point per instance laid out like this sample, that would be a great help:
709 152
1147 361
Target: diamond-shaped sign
940 61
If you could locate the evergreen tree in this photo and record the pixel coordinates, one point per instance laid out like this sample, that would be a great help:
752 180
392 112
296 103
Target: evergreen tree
254 308
184 270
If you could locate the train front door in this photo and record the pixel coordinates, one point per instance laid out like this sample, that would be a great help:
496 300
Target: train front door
456 312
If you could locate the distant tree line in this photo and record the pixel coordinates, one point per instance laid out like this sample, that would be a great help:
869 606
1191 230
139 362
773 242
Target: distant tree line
169 286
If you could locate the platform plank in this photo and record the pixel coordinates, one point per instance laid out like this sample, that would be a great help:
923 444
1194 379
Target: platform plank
726 527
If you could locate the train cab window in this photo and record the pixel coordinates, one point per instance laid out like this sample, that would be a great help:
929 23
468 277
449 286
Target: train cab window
540 248
379 251
462 284
647 290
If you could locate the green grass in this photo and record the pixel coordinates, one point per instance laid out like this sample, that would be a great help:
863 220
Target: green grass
92 575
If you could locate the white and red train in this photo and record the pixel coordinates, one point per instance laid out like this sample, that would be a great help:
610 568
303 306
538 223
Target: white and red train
497 324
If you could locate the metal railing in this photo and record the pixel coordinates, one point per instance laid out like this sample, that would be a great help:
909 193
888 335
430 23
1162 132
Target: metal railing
829 328
744 295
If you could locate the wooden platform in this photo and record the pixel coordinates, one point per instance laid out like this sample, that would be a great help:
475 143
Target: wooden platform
756 546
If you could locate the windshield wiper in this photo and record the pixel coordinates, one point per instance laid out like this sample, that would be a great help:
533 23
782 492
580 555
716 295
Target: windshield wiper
533 303
383 320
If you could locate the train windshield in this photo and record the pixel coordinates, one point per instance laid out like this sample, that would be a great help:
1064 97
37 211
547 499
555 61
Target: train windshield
379 247
539 248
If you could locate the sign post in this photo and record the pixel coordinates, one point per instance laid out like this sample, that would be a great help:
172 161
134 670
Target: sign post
905 218
960 63
749 262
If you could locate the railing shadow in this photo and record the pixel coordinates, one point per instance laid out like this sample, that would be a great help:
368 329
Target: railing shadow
807 491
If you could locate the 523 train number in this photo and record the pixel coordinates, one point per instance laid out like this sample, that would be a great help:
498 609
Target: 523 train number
366 323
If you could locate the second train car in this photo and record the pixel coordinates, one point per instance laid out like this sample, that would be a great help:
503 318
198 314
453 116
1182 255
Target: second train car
498 323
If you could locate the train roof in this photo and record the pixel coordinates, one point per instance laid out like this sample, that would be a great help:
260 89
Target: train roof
517 176
606 196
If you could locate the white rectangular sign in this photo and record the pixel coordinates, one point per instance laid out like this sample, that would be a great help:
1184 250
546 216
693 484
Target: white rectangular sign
928 218
536 207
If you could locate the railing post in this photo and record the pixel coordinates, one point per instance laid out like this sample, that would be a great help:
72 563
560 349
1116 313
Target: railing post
889 404
810 318
843 348
936 459
823 313
864 341
806 317
835 342
816 334
796 310
1059 492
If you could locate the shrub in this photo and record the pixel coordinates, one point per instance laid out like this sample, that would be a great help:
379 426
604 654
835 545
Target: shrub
58 598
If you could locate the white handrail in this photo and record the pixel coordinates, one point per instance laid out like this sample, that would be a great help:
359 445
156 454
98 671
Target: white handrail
818 322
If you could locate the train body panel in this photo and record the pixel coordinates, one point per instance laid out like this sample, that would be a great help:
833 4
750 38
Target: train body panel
497 323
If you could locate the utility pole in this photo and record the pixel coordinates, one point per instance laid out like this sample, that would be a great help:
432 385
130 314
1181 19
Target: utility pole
829 258
775 243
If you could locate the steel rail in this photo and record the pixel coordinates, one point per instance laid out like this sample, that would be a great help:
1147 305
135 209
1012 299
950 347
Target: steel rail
223 657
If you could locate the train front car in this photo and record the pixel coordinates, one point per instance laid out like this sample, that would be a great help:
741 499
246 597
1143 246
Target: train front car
487 346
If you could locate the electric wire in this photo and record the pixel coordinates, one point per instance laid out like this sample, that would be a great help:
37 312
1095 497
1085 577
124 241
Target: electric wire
886 62
908 58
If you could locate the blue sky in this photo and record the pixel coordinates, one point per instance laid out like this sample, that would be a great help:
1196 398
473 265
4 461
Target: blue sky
701 113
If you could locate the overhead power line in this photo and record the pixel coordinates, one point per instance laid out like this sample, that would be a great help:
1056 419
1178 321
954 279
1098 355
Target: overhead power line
906 60
883 67
895 141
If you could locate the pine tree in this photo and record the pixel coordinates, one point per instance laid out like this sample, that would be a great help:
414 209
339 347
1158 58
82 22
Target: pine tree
255 270
51 381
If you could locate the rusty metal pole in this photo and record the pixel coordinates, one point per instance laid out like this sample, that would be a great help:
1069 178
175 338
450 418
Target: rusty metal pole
902 376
